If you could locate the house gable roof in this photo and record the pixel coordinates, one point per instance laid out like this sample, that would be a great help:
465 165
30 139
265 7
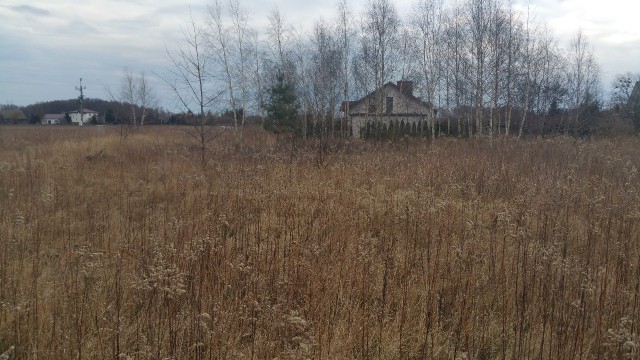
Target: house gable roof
634 99
52 116
409 96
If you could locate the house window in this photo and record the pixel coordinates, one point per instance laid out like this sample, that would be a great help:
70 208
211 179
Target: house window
389 108
373 109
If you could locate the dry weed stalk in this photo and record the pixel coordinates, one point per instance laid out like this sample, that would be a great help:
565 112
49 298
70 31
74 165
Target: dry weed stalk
454 249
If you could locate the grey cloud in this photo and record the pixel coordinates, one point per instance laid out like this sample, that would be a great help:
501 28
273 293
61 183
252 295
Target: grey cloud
31 10
80 27
137 24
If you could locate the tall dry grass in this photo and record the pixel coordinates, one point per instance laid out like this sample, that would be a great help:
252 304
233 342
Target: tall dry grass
458 249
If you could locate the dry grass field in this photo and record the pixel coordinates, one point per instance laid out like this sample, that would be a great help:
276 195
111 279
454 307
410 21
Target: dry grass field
127 248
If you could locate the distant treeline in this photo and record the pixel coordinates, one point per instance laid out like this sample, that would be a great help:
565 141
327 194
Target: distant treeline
115 112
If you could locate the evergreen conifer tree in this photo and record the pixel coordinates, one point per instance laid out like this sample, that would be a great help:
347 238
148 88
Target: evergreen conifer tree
282 108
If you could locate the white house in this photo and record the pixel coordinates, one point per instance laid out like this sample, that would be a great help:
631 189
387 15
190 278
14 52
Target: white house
391 102
84 118
51 119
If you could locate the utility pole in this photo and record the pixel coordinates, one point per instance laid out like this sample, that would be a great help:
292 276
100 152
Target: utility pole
81 100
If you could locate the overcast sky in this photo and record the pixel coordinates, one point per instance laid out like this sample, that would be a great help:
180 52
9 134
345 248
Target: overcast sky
47 45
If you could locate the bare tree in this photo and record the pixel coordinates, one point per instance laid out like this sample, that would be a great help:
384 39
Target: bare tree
550 78
583 77
256 72
128 95
281 39
528 62
190 79
146 97
428 21
380 27
538 70
497 45
324 72
622 86
228 41
301 79
138 95
345 30
479 18
458 71
242 39
277 34
479 58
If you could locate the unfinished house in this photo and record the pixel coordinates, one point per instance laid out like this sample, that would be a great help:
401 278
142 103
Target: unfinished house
390 103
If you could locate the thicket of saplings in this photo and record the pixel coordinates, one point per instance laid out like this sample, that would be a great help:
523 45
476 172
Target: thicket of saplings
125 248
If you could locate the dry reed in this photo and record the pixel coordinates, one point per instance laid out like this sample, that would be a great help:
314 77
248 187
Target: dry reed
458 249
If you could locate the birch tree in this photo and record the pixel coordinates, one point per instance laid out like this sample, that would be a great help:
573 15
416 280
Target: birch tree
512 51
428 21
380 26
528 62
479 22
583 77
242 33
256 73
128 95
146 97
137 94
281 39
498 57
551 77
345 31
458 66
324 73
190 78
228 40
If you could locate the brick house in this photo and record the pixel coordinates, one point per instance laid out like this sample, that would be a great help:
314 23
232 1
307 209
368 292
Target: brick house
391 102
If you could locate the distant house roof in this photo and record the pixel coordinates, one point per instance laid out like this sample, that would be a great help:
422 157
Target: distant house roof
86 111
48 119
403 86
634 99
53 116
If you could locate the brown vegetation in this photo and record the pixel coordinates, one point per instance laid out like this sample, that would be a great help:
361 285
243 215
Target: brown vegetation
129 248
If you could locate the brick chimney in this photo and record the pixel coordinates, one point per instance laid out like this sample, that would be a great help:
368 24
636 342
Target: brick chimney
406 87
